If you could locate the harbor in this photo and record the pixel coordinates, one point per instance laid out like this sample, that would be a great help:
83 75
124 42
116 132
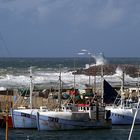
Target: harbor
46 98
69 70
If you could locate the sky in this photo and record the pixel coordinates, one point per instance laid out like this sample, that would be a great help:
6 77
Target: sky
62 28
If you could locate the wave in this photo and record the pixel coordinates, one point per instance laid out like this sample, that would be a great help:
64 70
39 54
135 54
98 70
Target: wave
45 77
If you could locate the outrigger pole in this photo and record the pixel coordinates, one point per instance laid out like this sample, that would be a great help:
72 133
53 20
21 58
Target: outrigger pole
130 134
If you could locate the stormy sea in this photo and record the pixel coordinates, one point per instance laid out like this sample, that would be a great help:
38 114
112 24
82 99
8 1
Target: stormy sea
14 73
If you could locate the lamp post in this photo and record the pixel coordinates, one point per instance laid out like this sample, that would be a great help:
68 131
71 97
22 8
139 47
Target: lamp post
74 67
89 53
102 79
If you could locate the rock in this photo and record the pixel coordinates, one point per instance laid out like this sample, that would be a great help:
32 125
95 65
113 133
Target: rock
110 69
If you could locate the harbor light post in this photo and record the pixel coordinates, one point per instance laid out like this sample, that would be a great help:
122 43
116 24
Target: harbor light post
90 55
74 67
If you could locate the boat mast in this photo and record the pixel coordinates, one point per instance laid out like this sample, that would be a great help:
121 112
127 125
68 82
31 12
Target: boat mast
102 85
60 88
31 87
122 89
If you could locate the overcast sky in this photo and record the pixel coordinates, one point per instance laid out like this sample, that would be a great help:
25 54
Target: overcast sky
61 28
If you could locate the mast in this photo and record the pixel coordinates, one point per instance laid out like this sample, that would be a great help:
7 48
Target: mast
95 79
60 88
122 90
31 87
102 85
89 67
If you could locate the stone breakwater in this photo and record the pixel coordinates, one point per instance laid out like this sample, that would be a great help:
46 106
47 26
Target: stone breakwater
110 69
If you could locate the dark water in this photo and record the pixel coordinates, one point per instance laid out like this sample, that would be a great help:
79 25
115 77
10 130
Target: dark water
54 62
18 66
116 133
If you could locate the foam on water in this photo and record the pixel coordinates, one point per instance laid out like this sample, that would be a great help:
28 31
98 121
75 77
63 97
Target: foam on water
44 77
15 73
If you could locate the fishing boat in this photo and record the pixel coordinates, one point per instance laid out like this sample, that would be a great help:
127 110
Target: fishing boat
123 113
72 116
23 117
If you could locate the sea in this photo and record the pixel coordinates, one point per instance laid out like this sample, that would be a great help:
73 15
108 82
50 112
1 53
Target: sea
14 73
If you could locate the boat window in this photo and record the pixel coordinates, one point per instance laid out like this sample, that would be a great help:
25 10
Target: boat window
91 108
84 108
87 108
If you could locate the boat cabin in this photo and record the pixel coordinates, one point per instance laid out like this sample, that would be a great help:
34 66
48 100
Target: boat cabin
78 107
85 107
69 107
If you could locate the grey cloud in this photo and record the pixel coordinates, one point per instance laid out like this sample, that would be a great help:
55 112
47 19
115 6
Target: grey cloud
96 13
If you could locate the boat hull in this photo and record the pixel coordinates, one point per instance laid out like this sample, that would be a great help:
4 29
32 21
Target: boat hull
66 121
124 116
24 118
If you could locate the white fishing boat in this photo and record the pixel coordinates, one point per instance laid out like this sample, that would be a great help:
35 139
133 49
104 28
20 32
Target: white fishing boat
123 113
71 116
74 117
23 117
